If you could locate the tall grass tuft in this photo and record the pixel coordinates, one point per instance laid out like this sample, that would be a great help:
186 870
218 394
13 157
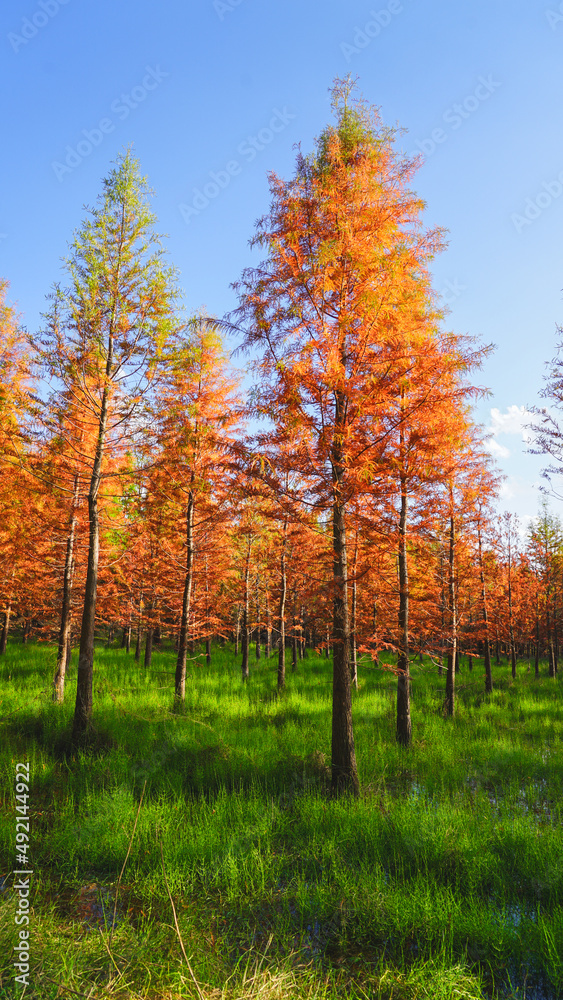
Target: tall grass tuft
207 840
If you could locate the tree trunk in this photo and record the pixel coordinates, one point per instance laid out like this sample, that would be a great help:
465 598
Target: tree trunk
268 625
486 643
66 610
237 631
376 653
207 615
245 624
5 629
190 632
442 655
85 679
353 645
139 636
555 632
258 644
180 678
537 650
470 655
510 615
283 594
344 768
452 653
294 636
149 638
404 725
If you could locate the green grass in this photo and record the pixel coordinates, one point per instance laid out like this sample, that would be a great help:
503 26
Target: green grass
444 879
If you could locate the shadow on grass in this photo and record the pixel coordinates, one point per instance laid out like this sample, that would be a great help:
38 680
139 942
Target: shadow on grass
54 736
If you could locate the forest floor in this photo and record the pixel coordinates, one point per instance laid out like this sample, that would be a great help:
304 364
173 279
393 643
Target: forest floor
200 855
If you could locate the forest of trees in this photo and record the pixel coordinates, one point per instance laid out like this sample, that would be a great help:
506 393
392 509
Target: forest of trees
346 502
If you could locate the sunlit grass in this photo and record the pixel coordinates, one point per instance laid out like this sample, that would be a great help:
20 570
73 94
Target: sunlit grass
443 879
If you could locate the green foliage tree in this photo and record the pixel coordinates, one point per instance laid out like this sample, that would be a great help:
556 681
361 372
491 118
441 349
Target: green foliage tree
101 345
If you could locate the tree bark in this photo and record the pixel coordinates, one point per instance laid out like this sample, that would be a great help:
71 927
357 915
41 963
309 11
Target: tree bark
180 678
281 610
404 725
452 653
245 624
294 640
510 620
441 656
353 645
5 629
555 632
344 768
268 625
258 637
149 638
237 630
139 635
486 643
537 649
376 653
66 609
83 706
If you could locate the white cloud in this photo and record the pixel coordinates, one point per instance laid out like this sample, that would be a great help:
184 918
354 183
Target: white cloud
512 422
495 449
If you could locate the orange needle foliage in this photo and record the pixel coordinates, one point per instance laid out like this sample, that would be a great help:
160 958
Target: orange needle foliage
343 312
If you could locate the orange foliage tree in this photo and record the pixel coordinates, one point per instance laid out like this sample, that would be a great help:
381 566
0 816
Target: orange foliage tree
343 313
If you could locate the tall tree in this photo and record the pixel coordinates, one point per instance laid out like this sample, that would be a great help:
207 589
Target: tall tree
545 546
344 284
15 486
102 343
191 423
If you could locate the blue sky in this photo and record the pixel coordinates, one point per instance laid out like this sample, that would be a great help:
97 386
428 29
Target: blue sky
213 95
